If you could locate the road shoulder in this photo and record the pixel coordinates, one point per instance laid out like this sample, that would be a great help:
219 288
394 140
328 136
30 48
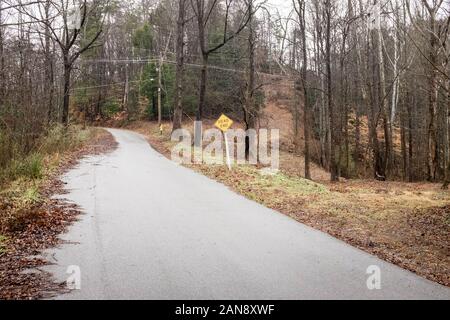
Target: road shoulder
38 227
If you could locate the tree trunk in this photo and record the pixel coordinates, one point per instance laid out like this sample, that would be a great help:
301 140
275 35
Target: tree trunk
433 103
251 113
403 134
410 142
201 102
318 50
304 75
66 100
447 139
374 106
2 64
49 72
332 117
202 90
384 106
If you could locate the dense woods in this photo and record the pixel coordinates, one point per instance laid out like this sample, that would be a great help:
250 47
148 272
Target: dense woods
368 80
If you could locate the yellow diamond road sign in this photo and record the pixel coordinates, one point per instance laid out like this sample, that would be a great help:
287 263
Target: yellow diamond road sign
224 123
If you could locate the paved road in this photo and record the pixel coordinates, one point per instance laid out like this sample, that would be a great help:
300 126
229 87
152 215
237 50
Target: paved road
154 230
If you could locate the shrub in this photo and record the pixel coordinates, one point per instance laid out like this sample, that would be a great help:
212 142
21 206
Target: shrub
54 139
15 163
31 167
110 108
59 139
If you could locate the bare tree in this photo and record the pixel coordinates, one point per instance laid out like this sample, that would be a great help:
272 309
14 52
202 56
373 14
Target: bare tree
203 10
71 26
328 11
436 33
300 9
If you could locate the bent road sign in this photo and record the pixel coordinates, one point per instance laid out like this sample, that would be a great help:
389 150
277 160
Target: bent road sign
224 123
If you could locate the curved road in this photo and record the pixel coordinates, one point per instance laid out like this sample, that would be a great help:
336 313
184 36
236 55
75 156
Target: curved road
154 230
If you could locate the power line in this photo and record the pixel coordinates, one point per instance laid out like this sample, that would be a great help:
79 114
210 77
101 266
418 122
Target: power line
121 61
186 64
103 86
230 70
172 63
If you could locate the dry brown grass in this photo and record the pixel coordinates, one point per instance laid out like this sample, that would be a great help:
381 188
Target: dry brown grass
31 221
406 224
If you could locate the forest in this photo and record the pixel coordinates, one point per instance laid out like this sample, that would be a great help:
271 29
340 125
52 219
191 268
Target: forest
365 82
92 93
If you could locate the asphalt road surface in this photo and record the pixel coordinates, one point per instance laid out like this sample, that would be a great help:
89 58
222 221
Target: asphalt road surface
155 230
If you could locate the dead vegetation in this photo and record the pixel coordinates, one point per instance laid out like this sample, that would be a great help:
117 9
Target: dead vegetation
405 224
30 221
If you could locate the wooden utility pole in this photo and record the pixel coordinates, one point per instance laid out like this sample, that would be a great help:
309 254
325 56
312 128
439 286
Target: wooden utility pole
160 66
126 90
159 90
178 112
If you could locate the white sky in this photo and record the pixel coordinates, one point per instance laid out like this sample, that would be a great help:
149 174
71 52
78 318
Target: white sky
284 6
